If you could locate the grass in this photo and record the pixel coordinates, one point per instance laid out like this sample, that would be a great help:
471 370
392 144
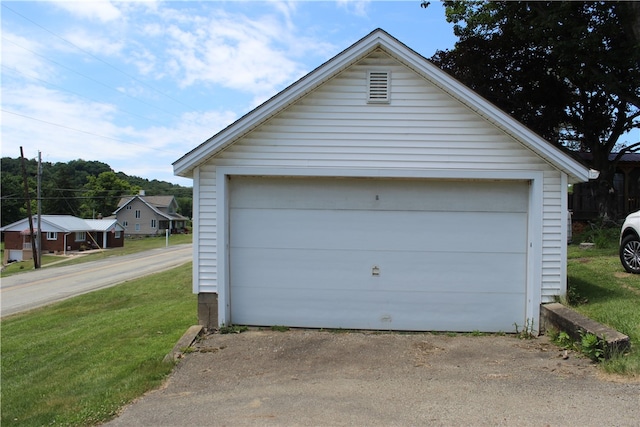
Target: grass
78 361
599 288
130 246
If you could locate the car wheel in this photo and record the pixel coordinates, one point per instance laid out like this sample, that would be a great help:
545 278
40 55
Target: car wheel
630 254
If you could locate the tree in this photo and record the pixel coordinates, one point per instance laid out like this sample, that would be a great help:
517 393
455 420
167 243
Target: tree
570 71
59 193
12 198
103 193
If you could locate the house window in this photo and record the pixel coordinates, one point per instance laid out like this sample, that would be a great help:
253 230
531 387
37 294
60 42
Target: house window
153 223
81 236
117 236
378 83
137 213
128 207
137 227
125 224
52 235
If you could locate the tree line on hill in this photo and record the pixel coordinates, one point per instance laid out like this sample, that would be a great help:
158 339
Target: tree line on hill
80 188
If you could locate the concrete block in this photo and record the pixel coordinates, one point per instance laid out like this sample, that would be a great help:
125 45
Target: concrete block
208 310
184 342
574 324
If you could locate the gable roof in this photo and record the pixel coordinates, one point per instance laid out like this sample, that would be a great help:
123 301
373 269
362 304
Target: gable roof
157 201
64 224
154 203
379 39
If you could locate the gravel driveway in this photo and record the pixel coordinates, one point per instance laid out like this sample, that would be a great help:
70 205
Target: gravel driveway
318 378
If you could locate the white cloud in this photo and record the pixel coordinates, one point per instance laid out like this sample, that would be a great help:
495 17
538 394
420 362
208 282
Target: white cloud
20 57
94 43
103 11
56 122
237 55
356 7
286 9
255 55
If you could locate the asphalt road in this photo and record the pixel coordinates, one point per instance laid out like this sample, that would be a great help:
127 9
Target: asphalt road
22 292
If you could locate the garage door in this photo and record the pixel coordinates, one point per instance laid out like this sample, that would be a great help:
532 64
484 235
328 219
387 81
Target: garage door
15 254
378 254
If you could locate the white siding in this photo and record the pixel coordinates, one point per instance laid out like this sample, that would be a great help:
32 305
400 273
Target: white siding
422 128
206 237
554 240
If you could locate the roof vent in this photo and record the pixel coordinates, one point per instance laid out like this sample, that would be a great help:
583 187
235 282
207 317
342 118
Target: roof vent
378 85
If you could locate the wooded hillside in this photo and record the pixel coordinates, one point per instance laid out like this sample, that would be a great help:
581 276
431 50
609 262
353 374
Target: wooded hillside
80 188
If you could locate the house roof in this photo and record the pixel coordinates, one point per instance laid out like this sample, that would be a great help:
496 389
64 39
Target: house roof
154 203
104 224
158 201
625 158
64 224
379 39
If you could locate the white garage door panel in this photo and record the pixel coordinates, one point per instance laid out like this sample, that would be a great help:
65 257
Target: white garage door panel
451 255
283 269
379 310
398 194
379 230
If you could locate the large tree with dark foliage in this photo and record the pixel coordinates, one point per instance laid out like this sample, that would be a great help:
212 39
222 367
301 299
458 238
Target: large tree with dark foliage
569 70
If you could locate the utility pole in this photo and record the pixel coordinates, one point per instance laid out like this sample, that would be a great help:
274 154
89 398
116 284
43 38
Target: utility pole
39 229
36 264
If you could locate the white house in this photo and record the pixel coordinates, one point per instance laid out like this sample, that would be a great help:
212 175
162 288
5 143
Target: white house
378 192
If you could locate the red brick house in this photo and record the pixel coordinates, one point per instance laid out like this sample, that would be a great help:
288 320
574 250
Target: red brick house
61 234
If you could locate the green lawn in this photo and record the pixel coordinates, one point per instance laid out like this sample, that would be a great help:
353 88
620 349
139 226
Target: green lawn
130 246
600 289
78 361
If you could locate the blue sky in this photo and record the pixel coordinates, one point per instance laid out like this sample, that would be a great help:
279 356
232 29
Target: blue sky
138 84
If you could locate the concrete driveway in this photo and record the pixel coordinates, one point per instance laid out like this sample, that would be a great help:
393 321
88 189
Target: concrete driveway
319 378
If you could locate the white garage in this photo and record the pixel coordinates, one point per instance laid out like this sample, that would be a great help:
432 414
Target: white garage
378 193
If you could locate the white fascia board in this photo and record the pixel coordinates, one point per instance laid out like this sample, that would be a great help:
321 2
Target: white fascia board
186 164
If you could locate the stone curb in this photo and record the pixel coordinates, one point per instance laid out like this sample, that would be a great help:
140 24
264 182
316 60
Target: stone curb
184 342
575 324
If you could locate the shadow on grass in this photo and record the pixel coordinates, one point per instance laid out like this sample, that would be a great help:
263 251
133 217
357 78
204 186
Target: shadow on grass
582 291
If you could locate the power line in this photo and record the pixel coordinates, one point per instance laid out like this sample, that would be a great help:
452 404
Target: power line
92 79
99 59
85 132
82 96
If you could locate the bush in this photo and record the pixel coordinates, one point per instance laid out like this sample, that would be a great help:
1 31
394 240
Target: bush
603 233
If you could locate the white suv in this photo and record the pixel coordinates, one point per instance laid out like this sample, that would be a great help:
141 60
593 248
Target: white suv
630 243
